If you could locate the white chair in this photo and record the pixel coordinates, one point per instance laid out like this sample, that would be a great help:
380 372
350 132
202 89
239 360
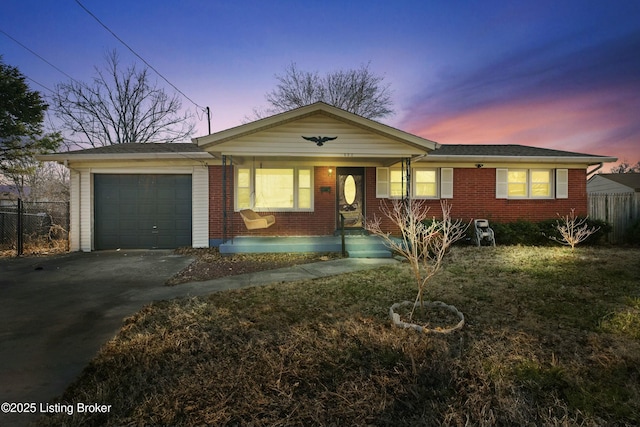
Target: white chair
483 233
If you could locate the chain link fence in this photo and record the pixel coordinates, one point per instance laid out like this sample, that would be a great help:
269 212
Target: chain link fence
33 227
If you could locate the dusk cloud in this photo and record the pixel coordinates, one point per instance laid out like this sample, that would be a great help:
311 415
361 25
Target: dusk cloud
560 93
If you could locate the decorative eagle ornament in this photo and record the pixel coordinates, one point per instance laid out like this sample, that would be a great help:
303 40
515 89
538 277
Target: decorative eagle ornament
319 140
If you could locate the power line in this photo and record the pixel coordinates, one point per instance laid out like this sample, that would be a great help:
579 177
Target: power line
136 54
25 47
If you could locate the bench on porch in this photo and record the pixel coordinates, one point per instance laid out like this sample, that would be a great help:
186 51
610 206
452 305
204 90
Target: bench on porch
253 221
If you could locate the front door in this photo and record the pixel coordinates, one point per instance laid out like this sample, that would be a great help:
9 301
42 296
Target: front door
350 203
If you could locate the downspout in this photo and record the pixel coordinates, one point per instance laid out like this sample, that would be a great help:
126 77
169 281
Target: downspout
596 169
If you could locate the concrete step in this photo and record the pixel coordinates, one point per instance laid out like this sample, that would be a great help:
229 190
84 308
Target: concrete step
384 253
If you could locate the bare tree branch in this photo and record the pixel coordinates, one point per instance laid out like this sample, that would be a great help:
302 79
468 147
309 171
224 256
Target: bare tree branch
424 242
121 106
573 230
358 91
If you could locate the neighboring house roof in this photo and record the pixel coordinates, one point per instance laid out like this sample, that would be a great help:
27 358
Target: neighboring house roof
510 152
10 192
281 135
132 151
614 182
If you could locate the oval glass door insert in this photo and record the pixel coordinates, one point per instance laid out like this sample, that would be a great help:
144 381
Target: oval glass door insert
350 190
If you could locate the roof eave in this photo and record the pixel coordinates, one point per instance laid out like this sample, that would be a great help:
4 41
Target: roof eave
589 160
57 157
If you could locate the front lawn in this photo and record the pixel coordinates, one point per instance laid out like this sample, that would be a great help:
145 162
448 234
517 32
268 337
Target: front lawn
552 338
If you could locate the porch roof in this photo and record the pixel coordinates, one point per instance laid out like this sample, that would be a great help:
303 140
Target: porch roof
283 135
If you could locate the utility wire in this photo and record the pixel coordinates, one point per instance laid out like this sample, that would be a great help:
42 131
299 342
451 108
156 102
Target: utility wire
25 47
136 54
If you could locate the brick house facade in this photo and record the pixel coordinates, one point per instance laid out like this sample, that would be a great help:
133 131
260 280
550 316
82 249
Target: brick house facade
273 167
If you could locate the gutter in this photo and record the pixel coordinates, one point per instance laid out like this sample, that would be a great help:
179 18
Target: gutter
518 159
600 166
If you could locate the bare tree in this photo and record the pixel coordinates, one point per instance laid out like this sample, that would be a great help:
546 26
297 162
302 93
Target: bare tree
121 106
423 241
359 91
573 230
625 167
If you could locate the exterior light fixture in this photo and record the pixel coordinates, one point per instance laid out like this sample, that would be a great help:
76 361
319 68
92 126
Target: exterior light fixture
330 171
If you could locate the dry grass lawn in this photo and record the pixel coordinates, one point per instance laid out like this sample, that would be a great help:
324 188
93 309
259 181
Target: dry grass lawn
552 338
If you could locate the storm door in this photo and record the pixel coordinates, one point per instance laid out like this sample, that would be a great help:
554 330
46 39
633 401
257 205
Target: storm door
350 194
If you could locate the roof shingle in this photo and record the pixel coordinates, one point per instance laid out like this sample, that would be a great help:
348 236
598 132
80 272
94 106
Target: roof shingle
131 148
509 150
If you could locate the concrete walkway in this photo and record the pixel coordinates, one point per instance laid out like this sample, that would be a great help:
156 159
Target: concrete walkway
56 312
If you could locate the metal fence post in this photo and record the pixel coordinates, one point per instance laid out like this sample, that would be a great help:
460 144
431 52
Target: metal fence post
19 241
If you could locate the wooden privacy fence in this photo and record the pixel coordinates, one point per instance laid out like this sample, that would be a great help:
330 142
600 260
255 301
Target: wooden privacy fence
620 210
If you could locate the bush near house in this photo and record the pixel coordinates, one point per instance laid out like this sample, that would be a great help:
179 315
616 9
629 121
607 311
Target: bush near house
527 233
633 233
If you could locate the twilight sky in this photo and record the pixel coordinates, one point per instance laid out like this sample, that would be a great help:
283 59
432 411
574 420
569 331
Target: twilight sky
561 74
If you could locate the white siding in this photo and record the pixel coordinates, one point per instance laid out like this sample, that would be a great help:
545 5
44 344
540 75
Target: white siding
200 207
86 211
74 211
599 184
286 139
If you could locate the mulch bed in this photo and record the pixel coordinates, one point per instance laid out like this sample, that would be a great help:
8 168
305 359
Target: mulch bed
210 264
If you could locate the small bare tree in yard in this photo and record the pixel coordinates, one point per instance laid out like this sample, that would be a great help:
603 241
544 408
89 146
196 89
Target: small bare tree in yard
573 229
423 241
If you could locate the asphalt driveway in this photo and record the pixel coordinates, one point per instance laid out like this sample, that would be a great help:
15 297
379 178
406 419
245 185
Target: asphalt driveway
56 313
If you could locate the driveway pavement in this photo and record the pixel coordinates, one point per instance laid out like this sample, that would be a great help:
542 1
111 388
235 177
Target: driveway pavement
56 312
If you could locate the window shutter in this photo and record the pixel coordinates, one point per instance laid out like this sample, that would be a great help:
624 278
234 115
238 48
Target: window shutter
382 183
502 183
446 183
562 183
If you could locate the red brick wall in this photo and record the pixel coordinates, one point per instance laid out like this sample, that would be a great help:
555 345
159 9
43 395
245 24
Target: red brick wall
473 190
320 222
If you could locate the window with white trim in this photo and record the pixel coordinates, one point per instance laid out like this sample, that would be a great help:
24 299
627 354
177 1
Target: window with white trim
426 183
397 183
274 189
531 183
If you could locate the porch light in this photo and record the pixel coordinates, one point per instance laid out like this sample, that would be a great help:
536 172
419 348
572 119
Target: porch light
330 171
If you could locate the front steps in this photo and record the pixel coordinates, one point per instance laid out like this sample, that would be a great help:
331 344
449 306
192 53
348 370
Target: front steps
357 246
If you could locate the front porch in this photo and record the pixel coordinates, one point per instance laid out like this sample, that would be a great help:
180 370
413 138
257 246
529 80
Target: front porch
355 246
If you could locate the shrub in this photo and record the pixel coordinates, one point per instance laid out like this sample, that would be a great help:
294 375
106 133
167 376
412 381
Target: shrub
529 233
633 233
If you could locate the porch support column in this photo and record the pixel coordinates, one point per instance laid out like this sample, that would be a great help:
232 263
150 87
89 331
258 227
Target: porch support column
406 165
224 198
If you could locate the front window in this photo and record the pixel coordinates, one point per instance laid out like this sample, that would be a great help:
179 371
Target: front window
397 183
540 183
517 183
304 189
426 183
274 189
527 183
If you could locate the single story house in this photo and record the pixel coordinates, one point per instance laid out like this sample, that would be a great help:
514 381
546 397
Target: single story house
299 173
614 183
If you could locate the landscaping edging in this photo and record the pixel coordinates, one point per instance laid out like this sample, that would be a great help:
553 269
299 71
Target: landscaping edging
395 317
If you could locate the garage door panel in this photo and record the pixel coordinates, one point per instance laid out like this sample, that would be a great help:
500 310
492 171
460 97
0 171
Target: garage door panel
142 211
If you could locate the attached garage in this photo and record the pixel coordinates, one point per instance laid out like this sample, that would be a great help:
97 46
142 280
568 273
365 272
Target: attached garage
142 211
138 196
